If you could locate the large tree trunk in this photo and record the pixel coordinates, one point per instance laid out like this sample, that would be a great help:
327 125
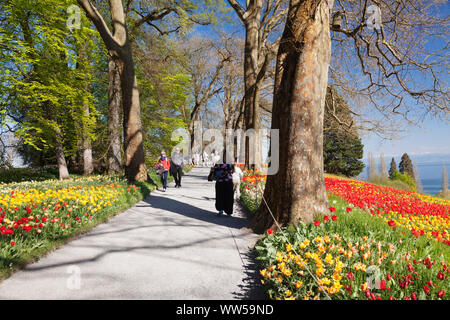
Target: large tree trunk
114 104
135 168
297 192
229 138
60 158
88 166
228 103
118 44
251 104
240 142
86 145
196 131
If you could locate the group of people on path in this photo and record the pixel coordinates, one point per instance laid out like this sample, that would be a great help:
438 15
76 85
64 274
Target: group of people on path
227 177
205 160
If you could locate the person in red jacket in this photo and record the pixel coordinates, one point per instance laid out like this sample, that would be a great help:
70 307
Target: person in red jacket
164 160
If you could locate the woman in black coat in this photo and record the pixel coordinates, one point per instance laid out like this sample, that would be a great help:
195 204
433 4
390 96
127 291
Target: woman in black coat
223 174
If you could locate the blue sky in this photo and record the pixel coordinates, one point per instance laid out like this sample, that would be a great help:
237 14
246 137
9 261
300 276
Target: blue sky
432 137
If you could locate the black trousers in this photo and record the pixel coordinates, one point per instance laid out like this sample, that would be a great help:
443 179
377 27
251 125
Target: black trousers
177 173
225 197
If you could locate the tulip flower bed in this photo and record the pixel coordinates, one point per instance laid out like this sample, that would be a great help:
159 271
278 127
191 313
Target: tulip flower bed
420 214
35 217
376 243
349 255
251 186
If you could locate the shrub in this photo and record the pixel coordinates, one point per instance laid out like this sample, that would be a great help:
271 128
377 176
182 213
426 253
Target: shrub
386 182
9 175
443 195
406 178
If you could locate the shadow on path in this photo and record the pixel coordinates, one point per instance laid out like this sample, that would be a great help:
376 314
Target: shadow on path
163 204
251 289
182 208
99 256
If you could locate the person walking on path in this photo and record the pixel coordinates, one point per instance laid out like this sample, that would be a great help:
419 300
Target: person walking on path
223 174
205 159
215 158
164 161
237 178
176 168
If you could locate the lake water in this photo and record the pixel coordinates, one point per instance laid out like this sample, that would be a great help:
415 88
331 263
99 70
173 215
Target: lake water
431 176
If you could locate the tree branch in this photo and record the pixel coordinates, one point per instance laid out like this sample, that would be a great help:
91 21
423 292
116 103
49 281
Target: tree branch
154 15
239 10
94 15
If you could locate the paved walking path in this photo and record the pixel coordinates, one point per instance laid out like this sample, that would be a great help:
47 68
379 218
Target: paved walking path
169 246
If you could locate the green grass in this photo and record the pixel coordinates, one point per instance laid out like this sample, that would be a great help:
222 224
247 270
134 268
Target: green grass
28 174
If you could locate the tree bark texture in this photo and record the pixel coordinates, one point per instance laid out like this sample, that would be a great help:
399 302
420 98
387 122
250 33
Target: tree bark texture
86 144
88 166
60 157
297 192
252 26
114 105
135 168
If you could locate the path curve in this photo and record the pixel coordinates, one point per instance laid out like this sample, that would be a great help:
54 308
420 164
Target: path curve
169 246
